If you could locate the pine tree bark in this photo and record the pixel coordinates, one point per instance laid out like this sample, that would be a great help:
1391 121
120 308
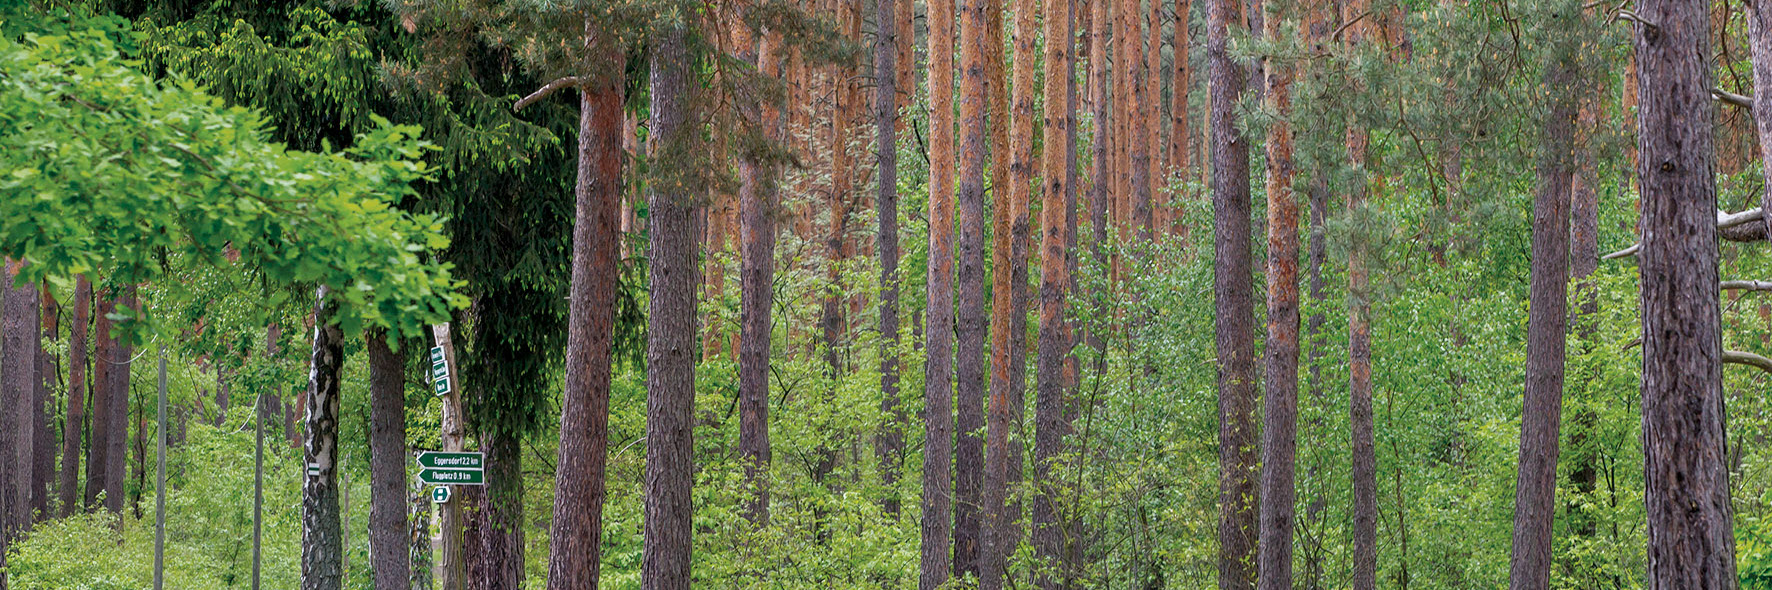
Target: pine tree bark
322 555
389 559
72 428
1759 37
1179 88
1151 116
117 456
969 330
889 443
1235 305
1280 405
938 367
98 446
575 537
756 228
1008 250
1364 460
1546 327
43 445
1691 543
18 379
1050 424
495 560
670 363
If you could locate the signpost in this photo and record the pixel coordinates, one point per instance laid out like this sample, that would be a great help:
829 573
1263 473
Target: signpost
439 371
447 468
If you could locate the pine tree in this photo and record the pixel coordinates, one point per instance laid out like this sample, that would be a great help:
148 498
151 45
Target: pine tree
1280 404
389 559
938 362
1235 306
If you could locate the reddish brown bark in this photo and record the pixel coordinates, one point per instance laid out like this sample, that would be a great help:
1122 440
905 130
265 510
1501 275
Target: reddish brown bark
938 360
72 429
969 328
1686 480
579 484
1280 404
889 445
1058 169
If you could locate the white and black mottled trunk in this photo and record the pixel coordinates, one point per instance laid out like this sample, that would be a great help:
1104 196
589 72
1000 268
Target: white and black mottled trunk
322 536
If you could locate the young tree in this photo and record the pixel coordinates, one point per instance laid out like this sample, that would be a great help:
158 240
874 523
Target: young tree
969 330
670 345
1235 306
322 538
1279 431
1690 530
757 204
576 534
938 363
76 413
388 556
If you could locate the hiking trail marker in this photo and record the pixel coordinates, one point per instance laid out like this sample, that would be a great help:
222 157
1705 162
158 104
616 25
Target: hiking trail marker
440 494
443 468
439 371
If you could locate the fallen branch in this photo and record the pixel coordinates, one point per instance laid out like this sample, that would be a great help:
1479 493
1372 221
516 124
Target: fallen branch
1747 358
1733 99
550 88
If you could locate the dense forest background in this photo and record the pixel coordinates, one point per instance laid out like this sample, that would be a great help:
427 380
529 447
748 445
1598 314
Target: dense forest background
883 293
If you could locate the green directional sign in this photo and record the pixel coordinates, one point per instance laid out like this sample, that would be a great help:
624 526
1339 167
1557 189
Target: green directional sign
441 386
439 371
440 494
444 460
453 477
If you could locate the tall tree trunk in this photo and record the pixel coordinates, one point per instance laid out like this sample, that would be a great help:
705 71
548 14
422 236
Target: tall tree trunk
117 457
322 540
889 443
43 447
1280 405
576 535
495 551
389 559
1150 114
76 414
1179 88
18 380
452 519
98 446
969 330
1359 334
1759 37
1691 543
1547 323
670 374
756 230
1050 424
1235 304
1002 436
938 367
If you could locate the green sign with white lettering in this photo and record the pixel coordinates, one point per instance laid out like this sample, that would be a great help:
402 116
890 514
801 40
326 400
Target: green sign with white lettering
439 371
440 494
446 460
454 477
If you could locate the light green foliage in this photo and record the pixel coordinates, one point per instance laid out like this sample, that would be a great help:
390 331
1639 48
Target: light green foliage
106 168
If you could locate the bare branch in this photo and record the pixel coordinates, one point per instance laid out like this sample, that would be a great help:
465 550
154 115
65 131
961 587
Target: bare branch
1731 98
550 88
1747 358
1627 252
1747 285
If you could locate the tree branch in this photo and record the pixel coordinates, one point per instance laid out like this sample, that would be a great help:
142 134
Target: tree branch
1627 252
550 88
1746 102
1733 227
1747 285
1747 358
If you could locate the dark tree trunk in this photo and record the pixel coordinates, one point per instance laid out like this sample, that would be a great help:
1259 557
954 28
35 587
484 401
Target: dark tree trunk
1690 530
1138 138
98 445
418 538
43 447
969 329
117 457
1359 336
889 445
1546 327
222 393
76 414
1050 425
670 345
388 556
575 539
1280 405
938 365
495 552
756 230
1235 305
322 555
18 381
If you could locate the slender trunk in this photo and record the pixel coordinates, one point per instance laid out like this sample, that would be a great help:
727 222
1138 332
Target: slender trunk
1364 460
1150 117
889 444
117 457
141 458
1546 329
1179 88
418 535
98 446
1759 37
43 447
938 362
76 414
756 230
575 537
451 557
969 329
389 558
1691 544
1235 304
1280 408
18 379
670 374
1050 424
322 554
